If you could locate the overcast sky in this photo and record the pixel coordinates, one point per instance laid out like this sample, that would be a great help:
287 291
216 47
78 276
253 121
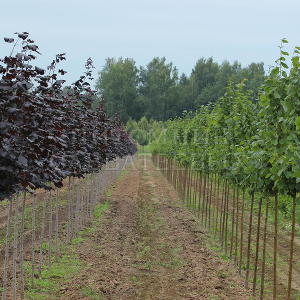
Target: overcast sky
182 31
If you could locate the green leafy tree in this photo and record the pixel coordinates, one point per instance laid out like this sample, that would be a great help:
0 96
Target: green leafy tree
158 92
117 83
157 84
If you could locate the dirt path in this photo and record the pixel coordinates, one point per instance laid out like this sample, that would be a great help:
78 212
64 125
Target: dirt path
150 247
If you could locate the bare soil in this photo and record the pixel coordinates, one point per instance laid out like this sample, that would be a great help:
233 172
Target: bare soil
149 246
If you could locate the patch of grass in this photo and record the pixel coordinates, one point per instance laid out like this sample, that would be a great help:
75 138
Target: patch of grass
217 248
91 294
134 279
53 277
59 273
223 275
4 204
45 247
63 203
162 245
297 296
143 251
176 261
176 251
78 240
2 243
143 266
108 193
100 210
122 174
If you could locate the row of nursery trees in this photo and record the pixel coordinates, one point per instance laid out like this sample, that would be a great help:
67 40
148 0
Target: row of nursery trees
254 147
47 131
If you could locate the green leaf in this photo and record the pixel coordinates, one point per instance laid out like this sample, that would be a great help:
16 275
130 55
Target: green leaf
275 71
297 123
295 60
284 41
280 171
286 108
277 95
296 174
284 53
284 65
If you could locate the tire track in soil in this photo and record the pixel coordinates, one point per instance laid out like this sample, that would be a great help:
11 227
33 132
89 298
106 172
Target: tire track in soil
149 246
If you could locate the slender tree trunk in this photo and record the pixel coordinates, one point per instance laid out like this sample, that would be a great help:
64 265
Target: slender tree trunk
210 202
203 199
232 222
275 247
222 212
7 246
200 193
262 286
42 235
56 223
257 247
249 240
15 252
226 218
292 247
50 220
242 233
223 215
33 238
22 279
237 223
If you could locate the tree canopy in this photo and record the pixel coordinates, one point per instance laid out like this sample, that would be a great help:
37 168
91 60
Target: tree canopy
159 92
117 84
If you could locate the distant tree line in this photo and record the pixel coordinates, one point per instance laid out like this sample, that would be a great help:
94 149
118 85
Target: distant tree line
159 92
145 131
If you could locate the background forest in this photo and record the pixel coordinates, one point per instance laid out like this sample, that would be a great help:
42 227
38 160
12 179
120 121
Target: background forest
159 92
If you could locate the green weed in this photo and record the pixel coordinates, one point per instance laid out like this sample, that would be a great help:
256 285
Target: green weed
100 210
60 272
91 294
52 277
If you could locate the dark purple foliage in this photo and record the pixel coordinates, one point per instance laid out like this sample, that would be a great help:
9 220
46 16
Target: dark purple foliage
47 131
